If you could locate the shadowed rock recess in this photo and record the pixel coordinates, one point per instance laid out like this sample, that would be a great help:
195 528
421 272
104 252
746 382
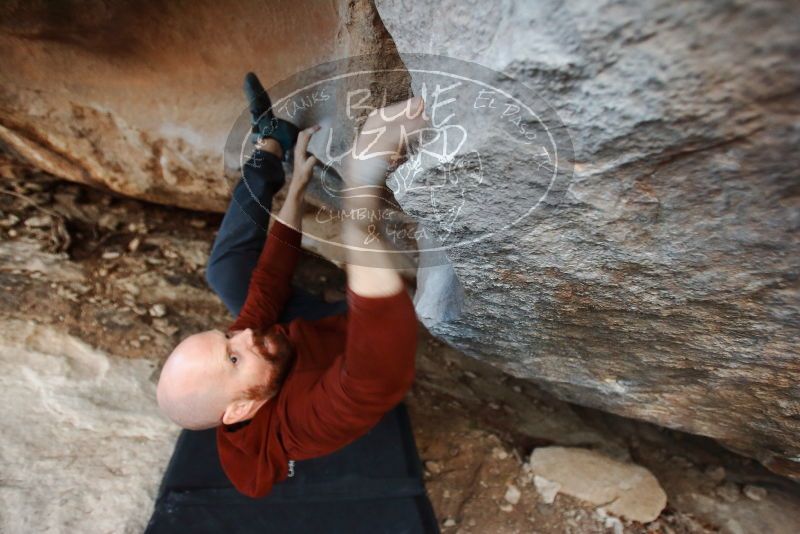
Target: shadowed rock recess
664 283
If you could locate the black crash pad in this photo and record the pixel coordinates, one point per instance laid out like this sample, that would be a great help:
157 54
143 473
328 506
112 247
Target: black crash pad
373 485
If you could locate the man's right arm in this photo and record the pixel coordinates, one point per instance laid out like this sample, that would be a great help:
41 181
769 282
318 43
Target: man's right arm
378 366
355 392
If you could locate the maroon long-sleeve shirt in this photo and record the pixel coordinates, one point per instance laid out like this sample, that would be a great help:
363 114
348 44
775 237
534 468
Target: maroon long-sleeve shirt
349 370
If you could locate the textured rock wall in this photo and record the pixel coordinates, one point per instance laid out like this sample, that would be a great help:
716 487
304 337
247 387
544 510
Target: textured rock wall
139 97
663 285
84 443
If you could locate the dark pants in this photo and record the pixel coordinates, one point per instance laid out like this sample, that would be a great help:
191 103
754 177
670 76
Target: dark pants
241 238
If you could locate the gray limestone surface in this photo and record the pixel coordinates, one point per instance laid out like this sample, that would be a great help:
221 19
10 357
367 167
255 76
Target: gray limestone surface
663 283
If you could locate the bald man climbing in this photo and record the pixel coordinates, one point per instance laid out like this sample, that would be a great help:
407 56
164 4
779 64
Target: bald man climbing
293 377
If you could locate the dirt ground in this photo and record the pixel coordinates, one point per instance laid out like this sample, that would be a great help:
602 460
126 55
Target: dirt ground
126 277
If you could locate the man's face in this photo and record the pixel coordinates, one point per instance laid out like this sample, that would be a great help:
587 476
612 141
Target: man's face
210 370
253 359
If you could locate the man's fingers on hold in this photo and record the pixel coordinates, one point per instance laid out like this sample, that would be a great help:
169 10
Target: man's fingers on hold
302 143
303 138
306 134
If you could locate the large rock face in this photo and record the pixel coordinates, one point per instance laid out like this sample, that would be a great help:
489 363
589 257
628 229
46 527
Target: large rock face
139 97
77 418
663 283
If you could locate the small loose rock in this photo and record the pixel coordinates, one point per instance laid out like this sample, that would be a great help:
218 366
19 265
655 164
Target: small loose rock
163 326
547 489
499 453
717 474
756 493
38 221
108 221
433 467
513 494
729 492
9 221
158 310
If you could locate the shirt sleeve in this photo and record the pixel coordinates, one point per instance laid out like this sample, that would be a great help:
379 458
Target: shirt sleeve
270 281
369 379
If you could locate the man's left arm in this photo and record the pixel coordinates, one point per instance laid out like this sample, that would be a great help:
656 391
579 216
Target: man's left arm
270 282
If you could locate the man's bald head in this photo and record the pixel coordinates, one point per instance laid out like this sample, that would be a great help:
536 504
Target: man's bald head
187 392
211 377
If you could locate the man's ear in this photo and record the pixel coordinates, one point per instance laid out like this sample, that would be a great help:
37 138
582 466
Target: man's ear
241 410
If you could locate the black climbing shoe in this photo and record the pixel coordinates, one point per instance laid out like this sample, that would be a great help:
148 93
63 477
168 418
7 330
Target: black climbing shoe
257 97
265 123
